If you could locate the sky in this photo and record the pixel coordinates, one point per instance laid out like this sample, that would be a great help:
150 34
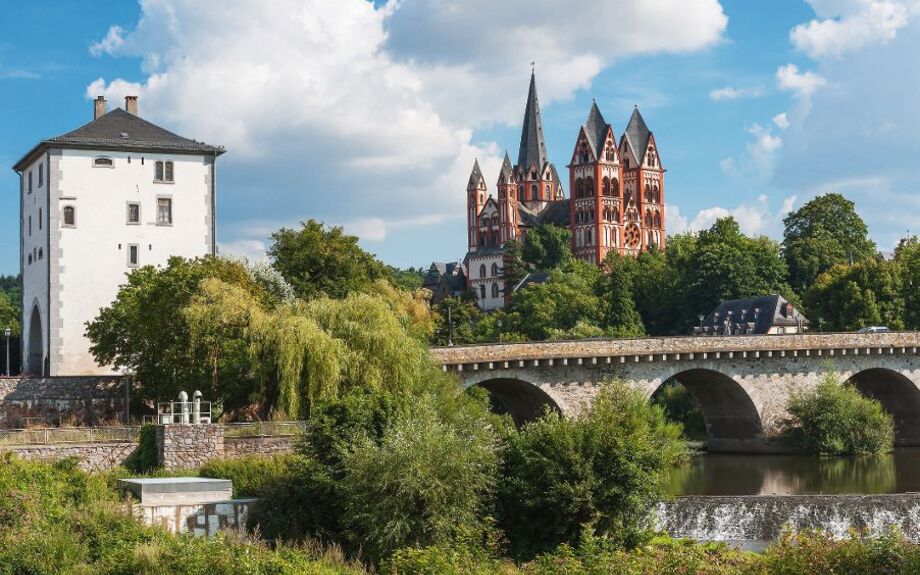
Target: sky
370 115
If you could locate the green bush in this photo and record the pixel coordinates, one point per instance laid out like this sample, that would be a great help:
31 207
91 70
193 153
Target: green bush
603 469
144 458
681 407
835 419
422 482
249 473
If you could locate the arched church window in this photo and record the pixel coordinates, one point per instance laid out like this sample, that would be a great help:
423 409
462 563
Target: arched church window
579 188
494 270
482 270
614 187
648 219
494 290
606 186
657 220
589 187
482 292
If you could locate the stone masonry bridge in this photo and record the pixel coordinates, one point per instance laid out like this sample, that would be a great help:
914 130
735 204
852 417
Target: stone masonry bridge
741 383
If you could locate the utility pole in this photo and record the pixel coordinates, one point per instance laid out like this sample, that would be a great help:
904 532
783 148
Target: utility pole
7 332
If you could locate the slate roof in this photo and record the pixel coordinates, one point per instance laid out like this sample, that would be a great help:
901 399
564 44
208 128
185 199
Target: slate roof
559 190
453 271
476 177
774 311
531 278
119 130
533 146
595 129
556 213
507 172
637 134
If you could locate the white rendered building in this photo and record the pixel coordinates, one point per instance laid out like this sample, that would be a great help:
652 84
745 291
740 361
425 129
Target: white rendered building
113 195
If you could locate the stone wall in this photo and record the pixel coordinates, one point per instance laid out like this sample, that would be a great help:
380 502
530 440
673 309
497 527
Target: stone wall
188 446
91 456
263 445
82 401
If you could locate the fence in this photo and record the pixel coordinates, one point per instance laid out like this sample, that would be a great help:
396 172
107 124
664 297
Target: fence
55 435
264 428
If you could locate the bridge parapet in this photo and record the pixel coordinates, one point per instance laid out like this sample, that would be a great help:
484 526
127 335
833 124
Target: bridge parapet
677 348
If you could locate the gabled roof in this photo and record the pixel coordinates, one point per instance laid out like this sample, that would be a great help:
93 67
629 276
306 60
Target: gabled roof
533 146
556 213
119 130
526 216
596 130
637 134
507 173
476 179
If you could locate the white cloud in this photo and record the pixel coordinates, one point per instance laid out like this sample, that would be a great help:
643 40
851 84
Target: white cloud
803 84
759 156
753 218
852 25
18 74
781 121
732 93
343 112
252 250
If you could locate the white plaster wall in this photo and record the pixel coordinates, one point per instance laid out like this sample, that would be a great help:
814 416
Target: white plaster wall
92 257
34 275
476 280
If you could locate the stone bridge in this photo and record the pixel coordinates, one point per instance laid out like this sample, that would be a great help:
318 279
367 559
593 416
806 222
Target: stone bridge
741 383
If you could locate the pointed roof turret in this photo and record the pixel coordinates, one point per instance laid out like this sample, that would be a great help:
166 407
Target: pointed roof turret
476 179
637 133
507 173
596 129
533 147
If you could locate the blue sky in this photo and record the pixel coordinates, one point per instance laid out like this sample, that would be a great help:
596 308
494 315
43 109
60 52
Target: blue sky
370 116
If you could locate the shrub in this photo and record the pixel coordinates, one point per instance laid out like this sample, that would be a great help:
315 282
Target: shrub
603 469
835 419
249 473
144 458
424 481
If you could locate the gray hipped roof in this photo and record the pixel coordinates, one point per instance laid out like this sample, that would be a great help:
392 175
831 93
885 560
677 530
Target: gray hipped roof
596 129
119 130
533 146
763 312
637 133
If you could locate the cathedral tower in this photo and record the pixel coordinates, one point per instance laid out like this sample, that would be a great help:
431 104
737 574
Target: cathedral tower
643 187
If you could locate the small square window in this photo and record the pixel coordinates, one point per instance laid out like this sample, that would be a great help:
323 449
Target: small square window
70 216
164 211
158 172
163 172
133 255
103 162
134 213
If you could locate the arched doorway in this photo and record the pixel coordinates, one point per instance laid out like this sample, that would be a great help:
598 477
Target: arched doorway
35 364
898 395
727 409
523 401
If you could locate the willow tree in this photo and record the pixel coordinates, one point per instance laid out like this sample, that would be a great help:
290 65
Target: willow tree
305 352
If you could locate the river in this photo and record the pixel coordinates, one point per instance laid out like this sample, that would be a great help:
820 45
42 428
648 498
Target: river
732 474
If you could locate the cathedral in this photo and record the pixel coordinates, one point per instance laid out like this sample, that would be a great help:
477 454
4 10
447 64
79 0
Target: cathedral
616 202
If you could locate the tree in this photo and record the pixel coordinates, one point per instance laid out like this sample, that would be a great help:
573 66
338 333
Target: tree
822 233
547 247
849 297
907 255
601 471
145 331
621 318
513 267
318 260
568 297
9 316
459 326
725 264
409 279
835 419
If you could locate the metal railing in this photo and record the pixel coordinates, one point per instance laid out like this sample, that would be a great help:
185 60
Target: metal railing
54 435
264 428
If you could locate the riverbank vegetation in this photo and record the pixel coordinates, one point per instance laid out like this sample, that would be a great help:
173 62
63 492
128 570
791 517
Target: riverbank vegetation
836 419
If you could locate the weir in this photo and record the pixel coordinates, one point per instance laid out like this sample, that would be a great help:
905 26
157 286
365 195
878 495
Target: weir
753 522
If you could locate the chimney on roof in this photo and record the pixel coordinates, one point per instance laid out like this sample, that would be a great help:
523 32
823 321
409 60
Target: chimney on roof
131 105
98 107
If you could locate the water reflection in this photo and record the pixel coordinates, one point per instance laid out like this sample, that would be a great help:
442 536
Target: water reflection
730 474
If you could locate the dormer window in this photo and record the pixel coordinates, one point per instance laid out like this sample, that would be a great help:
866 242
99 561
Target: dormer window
103 162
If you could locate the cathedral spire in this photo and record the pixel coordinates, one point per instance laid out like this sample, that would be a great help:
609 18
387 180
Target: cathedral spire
637 133
476 180
533 147
507 172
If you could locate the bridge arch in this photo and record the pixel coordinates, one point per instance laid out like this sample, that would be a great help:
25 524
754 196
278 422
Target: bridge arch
729 412
898 395
522 400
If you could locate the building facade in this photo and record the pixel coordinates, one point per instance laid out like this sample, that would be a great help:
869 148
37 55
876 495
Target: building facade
113 195
616 205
